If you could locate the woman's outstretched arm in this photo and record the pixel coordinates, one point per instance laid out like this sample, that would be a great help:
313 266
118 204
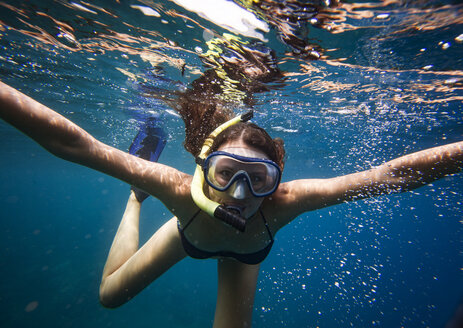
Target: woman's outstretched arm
66 140
398 175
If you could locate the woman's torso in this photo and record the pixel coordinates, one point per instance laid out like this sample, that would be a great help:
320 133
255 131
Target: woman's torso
211 235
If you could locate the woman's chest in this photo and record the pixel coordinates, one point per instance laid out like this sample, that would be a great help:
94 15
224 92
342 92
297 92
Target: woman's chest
211 234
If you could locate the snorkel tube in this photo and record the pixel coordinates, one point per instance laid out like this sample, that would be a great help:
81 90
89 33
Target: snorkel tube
212 208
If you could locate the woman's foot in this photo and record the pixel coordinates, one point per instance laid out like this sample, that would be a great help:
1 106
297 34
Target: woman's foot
148 144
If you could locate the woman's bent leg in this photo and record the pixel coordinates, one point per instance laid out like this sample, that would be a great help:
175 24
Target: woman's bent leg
125 243
128 269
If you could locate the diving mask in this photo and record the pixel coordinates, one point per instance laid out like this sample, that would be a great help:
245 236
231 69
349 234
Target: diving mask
222 170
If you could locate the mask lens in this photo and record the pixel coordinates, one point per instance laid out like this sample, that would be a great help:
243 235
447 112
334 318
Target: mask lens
222 170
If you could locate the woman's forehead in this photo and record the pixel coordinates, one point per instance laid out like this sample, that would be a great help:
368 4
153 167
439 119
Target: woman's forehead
238 147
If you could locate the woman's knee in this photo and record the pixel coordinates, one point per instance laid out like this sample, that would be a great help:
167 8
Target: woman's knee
108 298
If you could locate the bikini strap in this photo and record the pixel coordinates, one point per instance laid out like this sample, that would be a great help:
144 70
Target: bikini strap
266 225
191 220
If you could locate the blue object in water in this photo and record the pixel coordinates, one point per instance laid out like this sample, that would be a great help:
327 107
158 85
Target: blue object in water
148 144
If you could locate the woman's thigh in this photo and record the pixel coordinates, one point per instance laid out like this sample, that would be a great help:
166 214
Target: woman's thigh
235 297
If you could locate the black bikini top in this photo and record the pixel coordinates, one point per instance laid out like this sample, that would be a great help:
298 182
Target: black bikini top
249 258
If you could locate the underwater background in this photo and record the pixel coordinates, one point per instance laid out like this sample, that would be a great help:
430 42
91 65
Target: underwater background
362 83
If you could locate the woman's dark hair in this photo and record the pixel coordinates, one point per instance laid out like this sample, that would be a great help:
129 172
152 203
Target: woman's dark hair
204 106
253 136
202 112
202 118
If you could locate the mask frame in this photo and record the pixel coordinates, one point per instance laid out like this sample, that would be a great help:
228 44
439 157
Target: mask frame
270 166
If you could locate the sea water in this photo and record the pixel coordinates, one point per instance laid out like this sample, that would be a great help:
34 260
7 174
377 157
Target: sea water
390 84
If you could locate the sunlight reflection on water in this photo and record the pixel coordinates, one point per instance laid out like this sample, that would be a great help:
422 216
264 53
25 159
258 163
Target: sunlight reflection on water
355 84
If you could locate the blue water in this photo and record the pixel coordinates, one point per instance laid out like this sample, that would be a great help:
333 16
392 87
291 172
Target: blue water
392 261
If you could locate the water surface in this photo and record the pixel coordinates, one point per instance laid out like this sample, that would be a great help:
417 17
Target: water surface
361 83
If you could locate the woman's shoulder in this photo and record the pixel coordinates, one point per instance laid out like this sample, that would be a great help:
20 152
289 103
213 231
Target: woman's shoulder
292 199
275 206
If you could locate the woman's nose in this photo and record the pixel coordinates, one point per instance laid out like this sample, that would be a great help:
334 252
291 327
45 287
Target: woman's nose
240 190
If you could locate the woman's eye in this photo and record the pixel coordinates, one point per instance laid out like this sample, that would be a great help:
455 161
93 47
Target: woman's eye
255 178
226 174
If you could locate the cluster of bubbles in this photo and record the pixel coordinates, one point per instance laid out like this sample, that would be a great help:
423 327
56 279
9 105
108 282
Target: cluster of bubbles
351 109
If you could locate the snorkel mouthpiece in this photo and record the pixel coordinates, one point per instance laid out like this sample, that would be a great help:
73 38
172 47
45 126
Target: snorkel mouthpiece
230 216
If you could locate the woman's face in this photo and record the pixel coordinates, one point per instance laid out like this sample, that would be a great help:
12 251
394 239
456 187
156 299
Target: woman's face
239 195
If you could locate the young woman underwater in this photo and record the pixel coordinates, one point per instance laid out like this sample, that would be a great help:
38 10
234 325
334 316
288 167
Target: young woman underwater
237 180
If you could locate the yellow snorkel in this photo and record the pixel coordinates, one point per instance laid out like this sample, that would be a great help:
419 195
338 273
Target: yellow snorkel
212 208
